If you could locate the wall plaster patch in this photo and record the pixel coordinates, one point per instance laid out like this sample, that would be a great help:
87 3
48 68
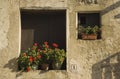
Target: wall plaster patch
4 26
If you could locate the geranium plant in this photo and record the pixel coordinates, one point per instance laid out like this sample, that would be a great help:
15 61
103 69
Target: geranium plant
51 54
29 58
58 56
41 55
45 52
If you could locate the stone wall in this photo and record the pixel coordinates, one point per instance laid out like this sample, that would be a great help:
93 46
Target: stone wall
9 40
43 4
86 59
95 59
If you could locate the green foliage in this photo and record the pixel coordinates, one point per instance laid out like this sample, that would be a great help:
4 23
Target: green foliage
29 58
58 55
36 55
88 30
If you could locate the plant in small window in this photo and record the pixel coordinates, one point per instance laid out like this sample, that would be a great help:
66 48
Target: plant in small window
88 32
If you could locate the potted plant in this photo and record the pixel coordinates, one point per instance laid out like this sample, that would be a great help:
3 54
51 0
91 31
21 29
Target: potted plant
41 56
88 32
45 52
58 56
29 59
51 55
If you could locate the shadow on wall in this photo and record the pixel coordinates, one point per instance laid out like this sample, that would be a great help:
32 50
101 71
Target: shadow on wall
110 8
106 69
12 65
117 16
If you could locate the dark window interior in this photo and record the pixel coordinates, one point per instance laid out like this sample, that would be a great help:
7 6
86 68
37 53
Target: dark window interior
89 19
83 20
41 26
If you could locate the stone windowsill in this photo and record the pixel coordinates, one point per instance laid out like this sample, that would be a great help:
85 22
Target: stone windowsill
40 74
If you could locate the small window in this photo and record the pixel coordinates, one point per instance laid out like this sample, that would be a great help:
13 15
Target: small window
89 26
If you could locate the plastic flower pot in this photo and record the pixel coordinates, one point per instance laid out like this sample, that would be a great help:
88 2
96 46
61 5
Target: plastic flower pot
56 66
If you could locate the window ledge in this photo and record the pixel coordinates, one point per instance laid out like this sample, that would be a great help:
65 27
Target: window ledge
41 74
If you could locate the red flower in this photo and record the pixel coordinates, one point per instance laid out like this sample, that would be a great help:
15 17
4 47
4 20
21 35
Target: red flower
31 59
46 43
28 69
39 56
44 51
35 44
55 45
38 50
47 46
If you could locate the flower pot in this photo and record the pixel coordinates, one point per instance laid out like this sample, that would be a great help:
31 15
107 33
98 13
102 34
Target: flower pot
89 36
56 66
45 66
35 67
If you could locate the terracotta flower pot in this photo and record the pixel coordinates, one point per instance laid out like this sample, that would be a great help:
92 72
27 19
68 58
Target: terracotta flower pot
89 36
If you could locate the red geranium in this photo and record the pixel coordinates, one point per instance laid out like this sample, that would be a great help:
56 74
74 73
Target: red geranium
44 51
38 50
39 56
46 43
55 45
31 59
47 46
35 44
28 69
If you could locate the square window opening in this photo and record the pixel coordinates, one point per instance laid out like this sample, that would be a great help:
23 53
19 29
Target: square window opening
89 26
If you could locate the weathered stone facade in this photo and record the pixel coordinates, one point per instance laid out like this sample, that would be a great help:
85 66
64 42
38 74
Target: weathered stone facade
86 59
